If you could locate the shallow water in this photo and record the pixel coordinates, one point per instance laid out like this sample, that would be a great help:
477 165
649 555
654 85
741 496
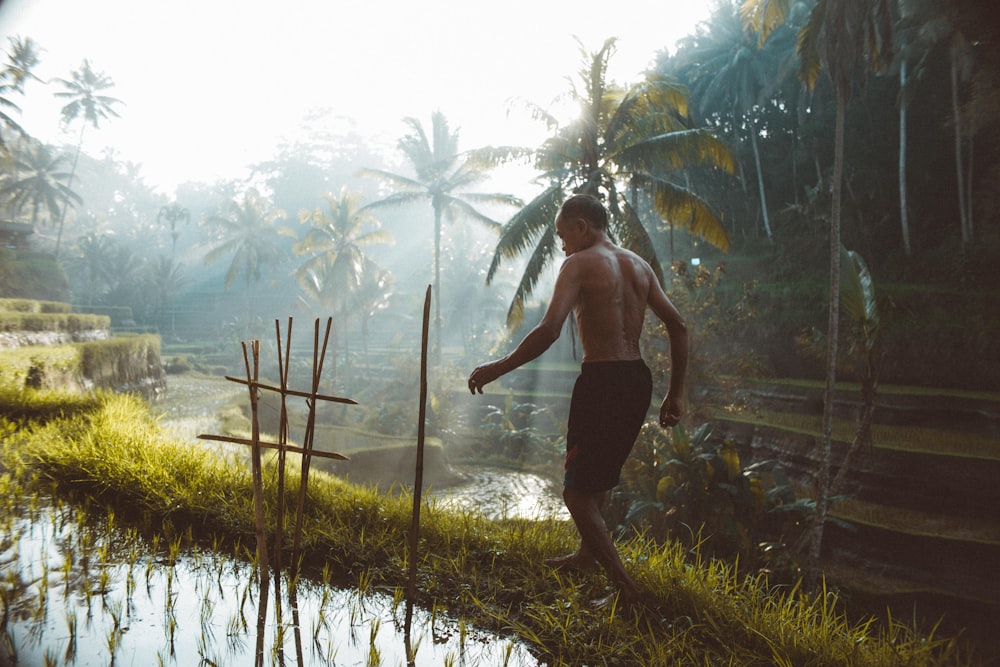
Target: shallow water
90 595
191 403
498 493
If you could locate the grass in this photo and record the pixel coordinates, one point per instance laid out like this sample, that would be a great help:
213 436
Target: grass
695 612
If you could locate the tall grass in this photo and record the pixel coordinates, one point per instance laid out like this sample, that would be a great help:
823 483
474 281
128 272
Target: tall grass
694 612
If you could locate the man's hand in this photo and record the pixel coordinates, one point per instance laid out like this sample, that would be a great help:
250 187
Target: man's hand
483 375
670 411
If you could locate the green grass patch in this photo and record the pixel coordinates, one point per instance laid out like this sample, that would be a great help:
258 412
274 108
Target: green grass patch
33 306
695 612
52 322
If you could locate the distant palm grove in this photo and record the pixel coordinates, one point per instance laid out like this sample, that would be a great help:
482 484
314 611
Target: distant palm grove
781 158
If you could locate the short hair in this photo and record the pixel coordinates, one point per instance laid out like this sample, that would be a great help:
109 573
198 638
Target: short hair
587 207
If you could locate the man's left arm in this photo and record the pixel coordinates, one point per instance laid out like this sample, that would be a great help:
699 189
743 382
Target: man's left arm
659 303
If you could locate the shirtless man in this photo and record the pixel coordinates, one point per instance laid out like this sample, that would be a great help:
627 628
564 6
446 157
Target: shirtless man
609 289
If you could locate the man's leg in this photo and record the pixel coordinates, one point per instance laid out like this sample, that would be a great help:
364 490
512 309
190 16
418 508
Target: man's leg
596 543
580 560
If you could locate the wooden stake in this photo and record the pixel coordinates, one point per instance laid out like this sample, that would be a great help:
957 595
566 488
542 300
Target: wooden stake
258 493
418 478
307 440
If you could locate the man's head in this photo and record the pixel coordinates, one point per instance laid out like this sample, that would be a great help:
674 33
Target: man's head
587 207
580 223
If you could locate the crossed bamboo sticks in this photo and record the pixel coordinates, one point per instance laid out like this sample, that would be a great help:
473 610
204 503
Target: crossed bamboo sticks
251 360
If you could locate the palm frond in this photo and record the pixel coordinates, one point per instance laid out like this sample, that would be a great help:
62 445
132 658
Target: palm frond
456 207
681 208
521 230
857 289
764 16
489 157
634 236
539 259
396 199
396 180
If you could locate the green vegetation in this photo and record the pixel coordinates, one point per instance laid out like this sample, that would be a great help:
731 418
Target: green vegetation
31 275
57 322
116 362
904 438
33 306
696 611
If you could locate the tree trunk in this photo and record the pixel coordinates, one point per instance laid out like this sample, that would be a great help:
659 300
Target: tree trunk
968 184
959 169
903 215
69 186
760 181
826 447
436 347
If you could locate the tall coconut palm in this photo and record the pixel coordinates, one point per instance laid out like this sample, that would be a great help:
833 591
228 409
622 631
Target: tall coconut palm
249 232
923 25
21 60
38 181
844 38
733 76
172 215
637 136
86 101
443 177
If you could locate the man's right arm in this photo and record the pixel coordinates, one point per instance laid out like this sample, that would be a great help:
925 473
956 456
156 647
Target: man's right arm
564 296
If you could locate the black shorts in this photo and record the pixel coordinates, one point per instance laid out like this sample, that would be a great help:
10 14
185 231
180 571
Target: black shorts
609 405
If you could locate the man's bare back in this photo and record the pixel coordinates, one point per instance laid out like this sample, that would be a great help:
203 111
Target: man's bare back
611 304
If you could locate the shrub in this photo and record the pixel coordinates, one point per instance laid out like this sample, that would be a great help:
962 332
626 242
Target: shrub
687 487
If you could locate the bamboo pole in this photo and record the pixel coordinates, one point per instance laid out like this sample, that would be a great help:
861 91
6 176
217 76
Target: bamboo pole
418 478
307 440
258 493
293 392
283 361
265 444
279 521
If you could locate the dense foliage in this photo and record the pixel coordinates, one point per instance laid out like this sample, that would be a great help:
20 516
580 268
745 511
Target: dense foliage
662 152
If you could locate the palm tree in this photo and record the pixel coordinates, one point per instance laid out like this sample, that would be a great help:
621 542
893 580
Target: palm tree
94 261
336 262
443 175
38 181
730 71
21 60
845 38
83 91
173 214
923 25
248 234
164 279
372 296
637 137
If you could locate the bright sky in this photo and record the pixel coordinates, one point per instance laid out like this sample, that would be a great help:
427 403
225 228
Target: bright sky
212 85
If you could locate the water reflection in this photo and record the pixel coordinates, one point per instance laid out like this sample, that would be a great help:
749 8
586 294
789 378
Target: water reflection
87 595
499 493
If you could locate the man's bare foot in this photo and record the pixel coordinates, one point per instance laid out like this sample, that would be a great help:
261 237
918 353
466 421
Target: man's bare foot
574 562
617 599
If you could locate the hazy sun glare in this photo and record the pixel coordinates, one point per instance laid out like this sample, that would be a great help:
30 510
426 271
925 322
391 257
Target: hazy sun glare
212 86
